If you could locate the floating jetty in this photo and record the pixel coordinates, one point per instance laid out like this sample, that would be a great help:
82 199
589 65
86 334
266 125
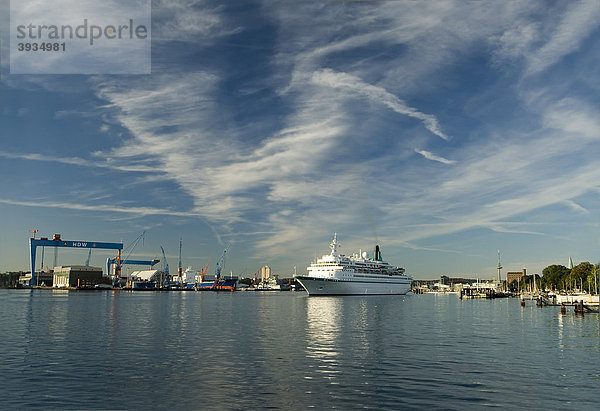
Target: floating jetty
582 303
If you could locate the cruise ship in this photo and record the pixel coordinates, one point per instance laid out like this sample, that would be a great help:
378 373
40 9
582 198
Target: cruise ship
337 274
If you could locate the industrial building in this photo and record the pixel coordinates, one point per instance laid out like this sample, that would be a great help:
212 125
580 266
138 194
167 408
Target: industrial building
77 276
146 275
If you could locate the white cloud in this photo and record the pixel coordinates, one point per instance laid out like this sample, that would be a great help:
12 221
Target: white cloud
430 156
190 20
576 207
296 168
138 211
77 161
307 173
352 83
576 25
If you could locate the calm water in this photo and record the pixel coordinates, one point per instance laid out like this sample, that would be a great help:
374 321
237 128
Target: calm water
123 350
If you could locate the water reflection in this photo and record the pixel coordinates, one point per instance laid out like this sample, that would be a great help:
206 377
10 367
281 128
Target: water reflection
324 320
560 331
57 316
287 351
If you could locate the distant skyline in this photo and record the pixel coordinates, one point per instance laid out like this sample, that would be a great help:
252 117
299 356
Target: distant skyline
443 131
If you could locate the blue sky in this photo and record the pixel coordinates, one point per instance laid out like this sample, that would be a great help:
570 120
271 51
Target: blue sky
444 131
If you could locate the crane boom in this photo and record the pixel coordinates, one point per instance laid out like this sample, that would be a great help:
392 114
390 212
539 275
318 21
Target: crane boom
220 264
165 264
203 273
87 261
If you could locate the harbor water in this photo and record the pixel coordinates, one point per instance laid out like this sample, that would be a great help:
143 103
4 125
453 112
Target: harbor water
253 350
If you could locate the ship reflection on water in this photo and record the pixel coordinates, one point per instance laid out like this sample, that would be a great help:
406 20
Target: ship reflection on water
324 318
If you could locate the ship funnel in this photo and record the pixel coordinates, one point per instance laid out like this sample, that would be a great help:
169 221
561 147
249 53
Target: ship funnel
377 254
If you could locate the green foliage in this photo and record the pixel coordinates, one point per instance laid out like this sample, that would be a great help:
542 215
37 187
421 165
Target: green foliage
582 277
10 280
553 276
591 283
580 272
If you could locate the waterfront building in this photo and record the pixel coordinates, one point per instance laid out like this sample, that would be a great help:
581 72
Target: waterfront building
76 276
264 273
515 276
451 281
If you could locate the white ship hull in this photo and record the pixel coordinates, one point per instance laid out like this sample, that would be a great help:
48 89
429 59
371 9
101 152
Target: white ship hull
327 286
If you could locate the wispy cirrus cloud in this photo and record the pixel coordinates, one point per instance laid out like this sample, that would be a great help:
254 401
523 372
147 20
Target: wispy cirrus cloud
137 211
232 181
577 23
430 156
190 21
376 94
299 137
77 161
576 207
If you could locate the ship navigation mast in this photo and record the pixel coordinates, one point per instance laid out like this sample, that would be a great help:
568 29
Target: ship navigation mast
334 245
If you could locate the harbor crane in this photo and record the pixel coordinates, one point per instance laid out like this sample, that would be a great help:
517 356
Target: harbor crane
203 272
87 261
221 284
165 266
58 242
220 264
118 262
113 261
179 267
165 263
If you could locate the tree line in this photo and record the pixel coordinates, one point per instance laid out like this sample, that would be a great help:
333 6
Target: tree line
10 279
583 277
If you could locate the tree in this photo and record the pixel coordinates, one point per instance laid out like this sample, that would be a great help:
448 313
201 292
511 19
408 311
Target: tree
579 274
514 286
553 276
10 280
592 281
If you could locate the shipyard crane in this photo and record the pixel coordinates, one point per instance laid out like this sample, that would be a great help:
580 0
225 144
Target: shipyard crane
118 262
220 264
87 261
164 281
134 244
165 263
203 272
222 284
58 242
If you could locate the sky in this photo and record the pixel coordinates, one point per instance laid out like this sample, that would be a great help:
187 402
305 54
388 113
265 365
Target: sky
445 131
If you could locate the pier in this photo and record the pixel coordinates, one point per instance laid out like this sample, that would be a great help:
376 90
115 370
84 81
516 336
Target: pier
581 303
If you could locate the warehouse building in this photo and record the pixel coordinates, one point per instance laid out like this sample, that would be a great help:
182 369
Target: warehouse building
77 276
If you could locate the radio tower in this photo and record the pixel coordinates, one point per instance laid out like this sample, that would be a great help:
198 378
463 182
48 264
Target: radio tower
499 267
